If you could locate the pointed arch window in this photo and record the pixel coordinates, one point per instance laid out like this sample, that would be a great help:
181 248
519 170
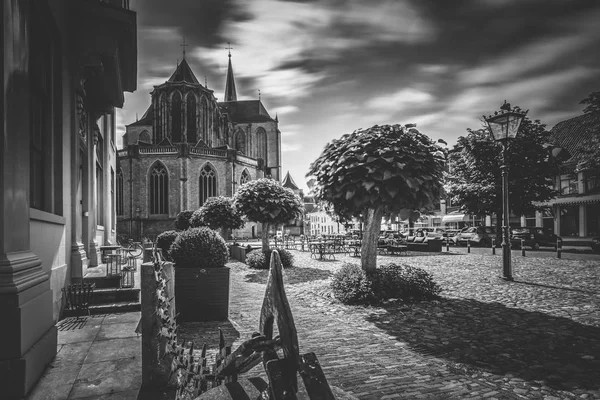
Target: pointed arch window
208 183
159 190
245 178
261 144
176 117
120 204
192 129
145 137
240 141
161 121
204 119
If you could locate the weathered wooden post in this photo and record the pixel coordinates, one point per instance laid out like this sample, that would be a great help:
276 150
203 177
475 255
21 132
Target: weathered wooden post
558 248
493 246
523 247
468 246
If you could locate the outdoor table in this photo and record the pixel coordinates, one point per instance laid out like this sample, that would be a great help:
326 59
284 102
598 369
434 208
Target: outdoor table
320 249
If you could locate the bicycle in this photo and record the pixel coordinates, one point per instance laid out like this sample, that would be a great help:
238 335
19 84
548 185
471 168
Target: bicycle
134 249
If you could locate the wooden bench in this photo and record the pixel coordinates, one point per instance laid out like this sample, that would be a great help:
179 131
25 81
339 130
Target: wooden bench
223 380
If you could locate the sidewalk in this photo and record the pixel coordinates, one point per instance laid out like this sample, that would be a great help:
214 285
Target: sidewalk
98 357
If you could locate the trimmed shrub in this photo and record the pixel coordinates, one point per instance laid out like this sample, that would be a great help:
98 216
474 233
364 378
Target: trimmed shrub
199 248
352 285
164 242
405 282
261 260
182 221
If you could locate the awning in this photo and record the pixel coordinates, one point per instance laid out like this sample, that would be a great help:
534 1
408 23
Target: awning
455 218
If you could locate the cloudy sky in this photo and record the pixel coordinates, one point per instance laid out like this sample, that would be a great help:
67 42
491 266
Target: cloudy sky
328 67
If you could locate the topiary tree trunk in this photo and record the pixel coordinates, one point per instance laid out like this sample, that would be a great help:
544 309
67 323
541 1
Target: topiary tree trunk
265 236
368 249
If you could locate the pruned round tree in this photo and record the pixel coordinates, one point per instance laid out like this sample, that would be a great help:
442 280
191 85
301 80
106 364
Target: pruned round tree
267 202
218 213
379 171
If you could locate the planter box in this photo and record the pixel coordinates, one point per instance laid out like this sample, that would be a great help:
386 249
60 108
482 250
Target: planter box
202 294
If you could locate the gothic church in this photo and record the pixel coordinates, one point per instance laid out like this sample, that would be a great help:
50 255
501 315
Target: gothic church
188 147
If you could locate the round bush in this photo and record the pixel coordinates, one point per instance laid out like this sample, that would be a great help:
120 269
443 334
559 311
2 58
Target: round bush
164 242
262 260
352 285
182 221
405 282
199 248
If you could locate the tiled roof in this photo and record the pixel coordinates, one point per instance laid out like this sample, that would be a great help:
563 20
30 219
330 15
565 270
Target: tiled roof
288 182
183 73
574 134
146 119
245 111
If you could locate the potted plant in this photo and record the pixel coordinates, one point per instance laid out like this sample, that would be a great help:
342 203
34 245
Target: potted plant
201 277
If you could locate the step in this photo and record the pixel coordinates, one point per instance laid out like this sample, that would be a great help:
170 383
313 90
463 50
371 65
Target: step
105 281
116 307
115 295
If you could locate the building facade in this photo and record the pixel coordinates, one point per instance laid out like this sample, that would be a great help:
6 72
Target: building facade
576 211
188 147
65 65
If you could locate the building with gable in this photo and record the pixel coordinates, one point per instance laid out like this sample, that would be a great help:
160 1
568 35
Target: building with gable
576 210
188 147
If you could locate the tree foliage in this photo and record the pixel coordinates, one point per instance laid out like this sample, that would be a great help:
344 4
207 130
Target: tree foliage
392 167
217 213
266 201
475 178
379 171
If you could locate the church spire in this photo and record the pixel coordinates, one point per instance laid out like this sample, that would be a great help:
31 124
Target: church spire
230 93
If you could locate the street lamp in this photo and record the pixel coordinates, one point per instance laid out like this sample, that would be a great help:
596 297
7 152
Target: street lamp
504 126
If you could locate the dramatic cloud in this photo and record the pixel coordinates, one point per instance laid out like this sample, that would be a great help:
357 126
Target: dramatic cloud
328 67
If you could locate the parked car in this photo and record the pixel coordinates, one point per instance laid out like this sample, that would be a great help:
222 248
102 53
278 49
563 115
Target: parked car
534 237
480 235
450 234
596 244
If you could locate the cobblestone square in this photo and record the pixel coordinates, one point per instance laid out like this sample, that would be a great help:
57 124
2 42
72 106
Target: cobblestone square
537 337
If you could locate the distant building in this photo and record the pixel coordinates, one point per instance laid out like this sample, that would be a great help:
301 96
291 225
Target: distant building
576 211
188 147
294 227
65 67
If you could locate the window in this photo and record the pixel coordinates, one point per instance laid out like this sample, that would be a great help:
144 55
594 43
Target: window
192 136
176 117
45 181
592 216
261 144
159 190
113 212
530 220
568 184
208 183
569 221
145 137
240 141
120 192
204 119
245 178
592 184
99 181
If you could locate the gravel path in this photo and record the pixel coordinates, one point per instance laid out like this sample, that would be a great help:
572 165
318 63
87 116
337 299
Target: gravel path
537 337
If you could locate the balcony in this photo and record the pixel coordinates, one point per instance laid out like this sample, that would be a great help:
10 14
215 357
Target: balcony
104 39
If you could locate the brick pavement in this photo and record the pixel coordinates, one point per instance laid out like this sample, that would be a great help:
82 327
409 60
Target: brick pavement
486 338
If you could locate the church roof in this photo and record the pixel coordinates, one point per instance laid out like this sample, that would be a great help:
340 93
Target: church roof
230 93
183 73
146 119
575 134
246 111
288 182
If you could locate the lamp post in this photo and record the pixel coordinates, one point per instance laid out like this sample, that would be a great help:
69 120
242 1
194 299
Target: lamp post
504 126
